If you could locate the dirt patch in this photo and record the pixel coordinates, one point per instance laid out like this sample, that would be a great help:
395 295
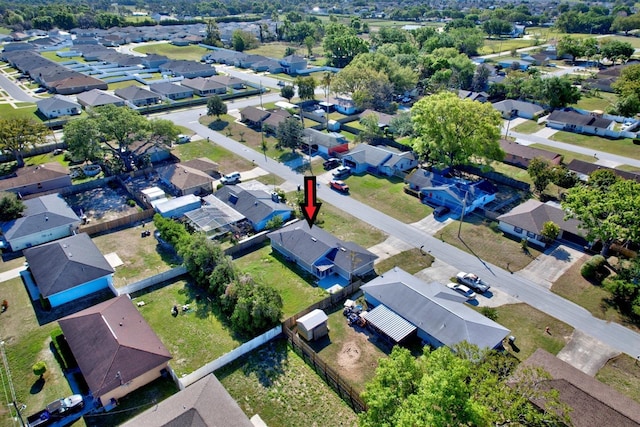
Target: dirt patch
349 355
102 204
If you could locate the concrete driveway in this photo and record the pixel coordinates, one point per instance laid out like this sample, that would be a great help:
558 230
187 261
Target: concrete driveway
390 247
431 224
586 353
551 264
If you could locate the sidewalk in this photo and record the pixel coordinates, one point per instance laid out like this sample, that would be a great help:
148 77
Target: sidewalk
11 274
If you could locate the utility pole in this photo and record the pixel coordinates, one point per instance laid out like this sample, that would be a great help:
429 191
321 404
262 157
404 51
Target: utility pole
464 207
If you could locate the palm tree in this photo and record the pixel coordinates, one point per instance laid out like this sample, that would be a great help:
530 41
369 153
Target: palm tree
326 82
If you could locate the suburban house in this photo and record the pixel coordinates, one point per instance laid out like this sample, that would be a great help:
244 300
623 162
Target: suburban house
571 121
268 65
255 203
77 84
271 123
194 176
313 325
293 63
116 349
156 151
98 98
343 103
154 61
171 90
214 217
584 169
320 253
407 306
455 193
379 160
58 106
521 155
204 86
177 206
253 116
137 95
383 119
326 144
526 221
187 69
517 64
68 269
205 403
246 61
36 179
230 82
474 96
593 403
44 219
510 108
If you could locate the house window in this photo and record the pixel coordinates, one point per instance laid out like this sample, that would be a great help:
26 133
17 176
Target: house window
517 230
530 234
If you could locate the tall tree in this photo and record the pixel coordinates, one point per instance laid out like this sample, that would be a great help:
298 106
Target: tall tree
453 131
616 50
289 133
216 107
287 92
19 134
213 34
571 46
10 207
607 210
341 44
558 92
306 87
541 173
370 128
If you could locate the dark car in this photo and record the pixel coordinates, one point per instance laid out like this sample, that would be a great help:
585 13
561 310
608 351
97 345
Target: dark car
331 163
440 211
339 186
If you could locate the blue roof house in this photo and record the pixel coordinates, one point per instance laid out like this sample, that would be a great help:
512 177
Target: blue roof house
455 193
68 269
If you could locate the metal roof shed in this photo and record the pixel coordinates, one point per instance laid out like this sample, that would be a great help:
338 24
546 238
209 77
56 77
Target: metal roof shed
389 323
313 325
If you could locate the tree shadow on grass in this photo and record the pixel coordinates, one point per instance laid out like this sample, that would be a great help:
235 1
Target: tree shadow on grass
37 386
218 125
267 363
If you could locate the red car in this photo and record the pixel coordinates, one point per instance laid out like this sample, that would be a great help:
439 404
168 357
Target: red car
339 185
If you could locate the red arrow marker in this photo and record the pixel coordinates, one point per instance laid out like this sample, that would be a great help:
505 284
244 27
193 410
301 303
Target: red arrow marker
310 207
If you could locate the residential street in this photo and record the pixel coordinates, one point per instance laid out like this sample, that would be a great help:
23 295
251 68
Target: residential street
536 295
14 90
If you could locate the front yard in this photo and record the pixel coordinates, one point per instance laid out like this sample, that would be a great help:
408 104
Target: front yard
387 195
347 227
478 239
622 147
202 148
192 52
411 261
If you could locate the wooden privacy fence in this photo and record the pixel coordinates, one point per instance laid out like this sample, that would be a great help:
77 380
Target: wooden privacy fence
100 227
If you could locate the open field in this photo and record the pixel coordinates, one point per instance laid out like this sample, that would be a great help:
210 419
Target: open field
296 288
276 383
594 298
528 326
623 374
387 194
478 239
192 52
503 45
203 148
347 227
411 261
622 147
26 342
194 337
142 257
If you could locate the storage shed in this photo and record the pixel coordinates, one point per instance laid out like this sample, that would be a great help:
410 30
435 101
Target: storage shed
313 325
175 208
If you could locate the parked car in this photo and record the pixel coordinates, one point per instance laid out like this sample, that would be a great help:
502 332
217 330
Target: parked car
440 211
342 172
183 138
67 405
231 178
339 186
472 281
331 163
462 289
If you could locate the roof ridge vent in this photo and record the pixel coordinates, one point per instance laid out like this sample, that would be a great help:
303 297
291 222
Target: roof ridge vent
314 239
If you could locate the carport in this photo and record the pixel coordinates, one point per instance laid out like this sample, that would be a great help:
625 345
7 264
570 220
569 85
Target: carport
390 325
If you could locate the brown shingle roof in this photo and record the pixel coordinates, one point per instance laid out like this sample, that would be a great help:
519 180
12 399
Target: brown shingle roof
202 164
112 344
521 155
183 177
254 114
593 403
34 174
532 214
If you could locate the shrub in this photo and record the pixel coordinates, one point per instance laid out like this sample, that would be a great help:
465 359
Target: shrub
39 369
593 267
489 312
131 202
588 270
494 226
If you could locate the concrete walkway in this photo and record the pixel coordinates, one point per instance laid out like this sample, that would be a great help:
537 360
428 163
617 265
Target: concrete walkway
390 247
11 274
550 265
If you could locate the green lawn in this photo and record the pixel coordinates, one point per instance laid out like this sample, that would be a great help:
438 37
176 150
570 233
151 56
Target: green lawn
503 45
296 288
528 326
347 227
622 373
192 52
142 257
276 50
276 383
530 126
622 147
8 112
27 343
567 156
126 83
387 195
203 148
478 239
194 337
599 102
411 261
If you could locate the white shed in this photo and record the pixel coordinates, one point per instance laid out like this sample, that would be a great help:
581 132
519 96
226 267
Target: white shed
313 325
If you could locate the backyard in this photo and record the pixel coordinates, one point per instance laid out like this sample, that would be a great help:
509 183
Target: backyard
276 383
103 203
528 127
193 53
622 374
479 239
387 195
194 337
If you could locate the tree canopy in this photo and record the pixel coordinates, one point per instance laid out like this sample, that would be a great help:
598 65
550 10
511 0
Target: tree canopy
306 87
451 131
342 44
289 133
216 106
20 133
10 207
113 130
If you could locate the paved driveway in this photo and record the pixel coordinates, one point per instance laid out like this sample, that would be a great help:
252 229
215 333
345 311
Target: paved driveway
550 265
14 90
586 353
390 247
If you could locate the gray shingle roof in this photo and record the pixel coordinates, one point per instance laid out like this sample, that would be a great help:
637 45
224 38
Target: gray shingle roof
40 214
202 84
97 97
133 93
255 205
113 344
509 105
434 309
56 102
205 403
532 214
573 118
66 263
167 88
34 174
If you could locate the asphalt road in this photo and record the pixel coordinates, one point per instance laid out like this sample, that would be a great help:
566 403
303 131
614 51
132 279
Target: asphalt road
612 334
14 90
